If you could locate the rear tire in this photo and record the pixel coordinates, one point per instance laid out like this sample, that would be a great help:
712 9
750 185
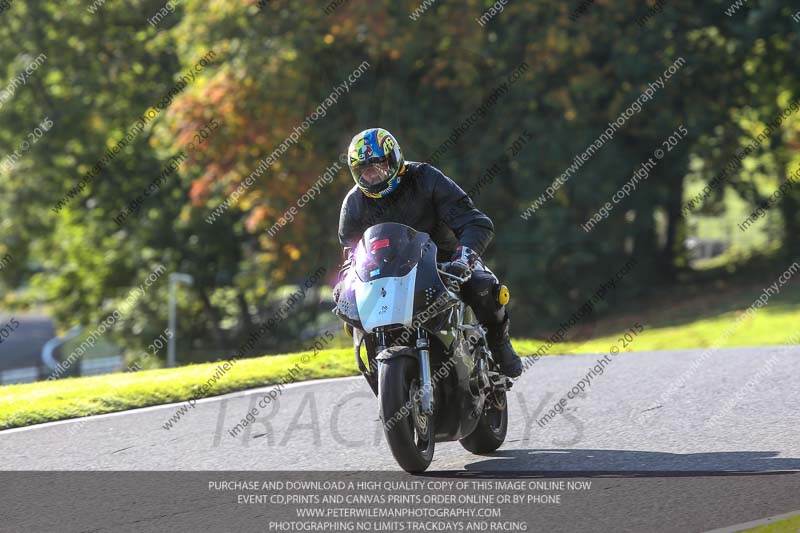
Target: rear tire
492 426
397 382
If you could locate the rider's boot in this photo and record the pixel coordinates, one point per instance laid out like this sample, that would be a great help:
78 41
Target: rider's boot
500 345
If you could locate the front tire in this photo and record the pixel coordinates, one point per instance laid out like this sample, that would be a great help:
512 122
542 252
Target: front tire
409 434
492 426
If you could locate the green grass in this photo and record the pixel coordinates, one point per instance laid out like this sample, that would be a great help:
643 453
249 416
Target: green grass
33 403
682 319
767 327
788 525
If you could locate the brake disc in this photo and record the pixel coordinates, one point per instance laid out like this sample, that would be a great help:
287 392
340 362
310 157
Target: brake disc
420 420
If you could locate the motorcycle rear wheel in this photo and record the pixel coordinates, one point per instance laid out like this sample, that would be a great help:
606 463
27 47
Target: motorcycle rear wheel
492 426
409 434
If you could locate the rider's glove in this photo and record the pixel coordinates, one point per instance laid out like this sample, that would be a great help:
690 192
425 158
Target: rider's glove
466 255
456 268
462 262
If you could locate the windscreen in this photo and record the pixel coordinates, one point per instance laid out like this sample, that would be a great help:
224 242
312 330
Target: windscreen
388 250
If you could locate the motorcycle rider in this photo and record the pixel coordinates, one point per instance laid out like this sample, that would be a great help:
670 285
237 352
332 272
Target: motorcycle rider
390 189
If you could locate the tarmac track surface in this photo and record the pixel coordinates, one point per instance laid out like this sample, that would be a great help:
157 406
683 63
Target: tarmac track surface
672 441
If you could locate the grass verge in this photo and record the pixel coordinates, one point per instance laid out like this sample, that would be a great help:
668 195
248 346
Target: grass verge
34 403
788 525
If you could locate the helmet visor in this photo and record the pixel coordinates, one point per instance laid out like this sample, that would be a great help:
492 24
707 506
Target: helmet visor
372 174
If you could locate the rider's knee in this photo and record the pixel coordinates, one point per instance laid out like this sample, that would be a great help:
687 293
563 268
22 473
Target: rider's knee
482 294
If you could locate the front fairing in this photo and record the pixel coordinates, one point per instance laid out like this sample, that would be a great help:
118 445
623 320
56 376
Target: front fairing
394 281
346 307
389 251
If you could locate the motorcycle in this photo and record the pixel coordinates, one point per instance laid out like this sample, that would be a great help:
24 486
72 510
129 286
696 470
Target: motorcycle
428 360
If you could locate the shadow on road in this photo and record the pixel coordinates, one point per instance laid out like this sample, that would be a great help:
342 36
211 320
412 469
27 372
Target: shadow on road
547 463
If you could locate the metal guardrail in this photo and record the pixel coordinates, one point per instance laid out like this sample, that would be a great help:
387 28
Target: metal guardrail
19 375
88 367
50 346
102 365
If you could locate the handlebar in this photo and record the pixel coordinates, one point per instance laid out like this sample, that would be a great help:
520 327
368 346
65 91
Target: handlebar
453 277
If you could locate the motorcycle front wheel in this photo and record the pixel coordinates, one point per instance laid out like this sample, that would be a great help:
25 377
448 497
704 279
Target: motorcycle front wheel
408 432
492 426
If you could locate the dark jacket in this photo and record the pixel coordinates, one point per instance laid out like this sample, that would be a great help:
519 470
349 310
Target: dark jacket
426 200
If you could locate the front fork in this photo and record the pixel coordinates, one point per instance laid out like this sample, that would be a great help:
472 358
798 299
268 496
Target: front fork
424 353
426 388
